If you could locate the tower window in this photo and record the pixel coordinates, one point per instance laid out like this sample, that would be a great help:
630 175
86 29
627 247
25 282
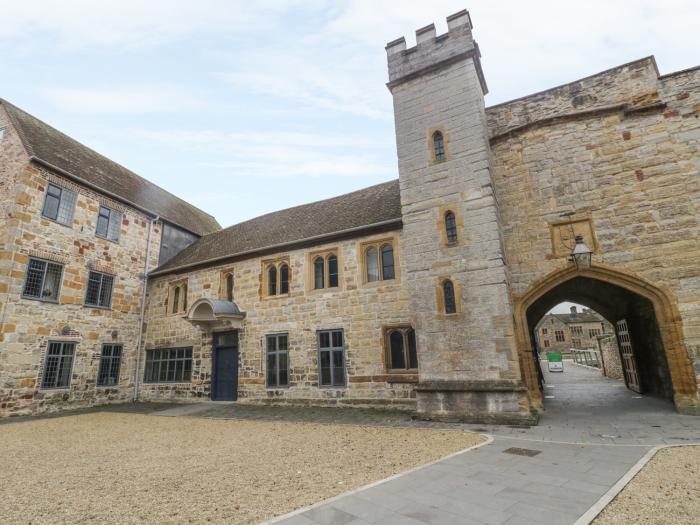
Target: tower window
438 146
284 279
229 287
272 281
448 291
451 227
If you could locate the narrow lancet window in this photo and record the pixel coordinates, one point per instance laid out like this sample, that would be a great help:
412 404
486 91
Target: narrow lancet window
451 227
448 291
438 146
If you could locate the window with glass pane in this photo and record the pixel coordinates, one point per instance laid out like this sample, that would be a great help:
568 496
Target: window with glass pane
331 358
284 279
229 287
401 344
272 281
277 361
168 365
108 223
372 264
176 300
332 271
319 281
59 204
439 146
43 280
451 227
59 365
110 362
448 290
99 290
387 262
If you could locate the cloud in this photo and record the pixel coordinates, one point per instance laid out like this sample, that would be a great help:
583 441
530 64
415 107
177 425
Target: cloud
146 98
285 155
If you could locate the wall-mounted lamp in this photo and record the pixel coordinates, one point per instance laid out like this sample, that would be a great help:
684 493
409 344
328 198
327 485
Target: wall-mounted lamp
65 330
115 334
581 256
90 264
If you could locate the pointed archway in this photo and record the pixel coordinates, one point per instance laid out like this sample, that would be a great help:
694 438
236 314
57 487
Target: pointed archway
616 295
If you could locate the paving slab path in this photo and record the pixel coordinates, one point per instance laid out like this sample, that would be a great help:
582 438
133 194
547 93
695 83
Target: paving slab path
592 432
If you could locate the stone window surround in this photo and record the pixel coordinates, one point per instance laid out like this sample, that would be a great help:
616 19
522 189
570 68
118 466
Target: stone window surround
378 242
406 375
440 297
223 285
441 227
310 276
431 147
559 336
179 309
277 262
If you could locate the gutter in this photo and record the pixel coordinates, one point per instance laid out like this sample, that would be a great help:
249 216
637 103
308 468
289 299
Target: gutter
154 215
142 317
278 247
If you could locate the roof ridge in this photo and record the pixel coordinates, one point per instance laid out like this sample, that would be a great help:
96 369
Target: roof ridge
27 144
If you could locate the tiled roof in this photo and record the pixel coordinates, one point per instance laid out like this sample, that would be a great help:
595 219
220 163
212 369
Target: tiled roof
359 210
50 146
589 316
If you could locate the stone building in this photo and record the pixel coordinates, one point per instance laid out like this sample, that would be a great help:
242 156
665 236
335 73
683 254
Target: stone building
562 332
422 293
77 232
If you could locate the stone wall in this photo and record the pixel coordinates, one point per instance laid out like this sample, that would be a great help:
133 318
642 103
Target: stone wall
360 309
631 175
28 325
610 355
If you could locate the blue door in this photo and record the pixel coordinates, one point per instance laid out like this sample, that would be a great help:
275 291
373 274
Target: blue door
225 367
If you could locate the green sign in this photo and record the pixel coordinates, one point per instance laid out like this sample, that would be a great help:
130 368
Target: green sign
554 357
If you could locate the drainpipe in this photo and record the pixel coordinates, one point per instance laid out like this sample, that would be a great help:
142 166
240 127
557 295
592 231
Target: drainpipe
139 340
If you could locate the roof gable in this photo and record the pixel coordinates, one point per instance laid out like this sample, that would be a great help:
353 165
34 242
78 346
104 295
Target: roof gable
58 151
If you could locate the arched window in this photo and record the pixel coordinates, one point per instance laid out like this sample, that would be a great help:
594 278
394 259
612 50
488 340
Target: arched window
176 299
451 227
332 271
412 355
438 146
184 297
272 281
319 281
229 287
284 279
396 348
448 291
372 265
387 262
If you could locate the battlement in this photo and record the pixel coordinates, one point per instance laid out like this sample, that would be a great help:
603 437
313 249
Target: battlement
433 51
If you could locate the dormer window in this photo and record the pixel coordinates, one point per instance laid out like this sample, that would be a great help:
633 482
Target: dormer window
438 146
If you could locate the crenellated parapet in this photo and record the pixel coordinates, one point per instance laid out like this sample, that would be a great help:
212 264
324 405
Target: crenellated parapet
433 51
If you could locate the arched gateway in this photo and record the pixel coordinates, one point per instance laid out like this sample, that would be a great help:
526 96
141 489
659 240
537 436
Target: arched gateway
650 315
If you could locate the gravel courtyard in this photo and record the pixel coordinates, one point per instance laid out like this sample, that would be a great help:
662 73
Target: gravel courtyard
665 492
108 467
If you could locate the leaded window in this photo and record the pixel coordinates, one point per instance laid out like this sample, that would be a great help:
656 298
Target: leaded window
439 146
284 279
43 280
99 290
319 279
331 358
448 291
59 204
379 262
559 335
372 264
110 363
108 223
277 361
401 344
59 365
451 227
176 300
229 287
387 262
168 365
332 271
272 280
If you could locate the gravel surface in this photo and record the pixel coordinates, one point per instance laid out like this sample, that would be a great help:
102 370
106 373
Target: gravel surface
665 492
135 468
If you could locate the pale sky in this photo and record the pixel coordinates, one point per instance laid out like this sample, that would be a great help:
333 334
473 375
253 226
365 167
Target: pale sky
248 107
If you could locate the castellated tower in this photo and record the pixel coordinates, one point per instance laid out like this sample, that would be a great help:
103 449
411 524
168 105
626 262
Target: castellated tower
451 233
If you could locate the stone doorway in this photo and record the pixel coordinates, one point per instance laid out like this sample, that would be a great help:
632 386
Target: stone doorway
663 365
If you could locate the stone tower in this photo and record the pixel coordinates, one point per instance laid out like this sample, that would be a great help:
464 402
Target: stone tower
468 362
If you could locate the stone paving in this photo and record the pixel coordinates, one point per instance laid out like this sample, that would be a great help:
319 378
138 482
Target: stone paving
592 432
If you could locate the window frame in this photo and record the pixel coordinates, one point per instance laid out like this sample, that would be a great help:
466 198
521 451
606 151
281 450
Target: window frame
61 358
331 350
276 352
438 147
176 302
557 336
451 235
276 266
63 191
109 359
404 330
324 258
187 350
99 290
546 343
229 283
46 263
111 212
444 285
379 245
